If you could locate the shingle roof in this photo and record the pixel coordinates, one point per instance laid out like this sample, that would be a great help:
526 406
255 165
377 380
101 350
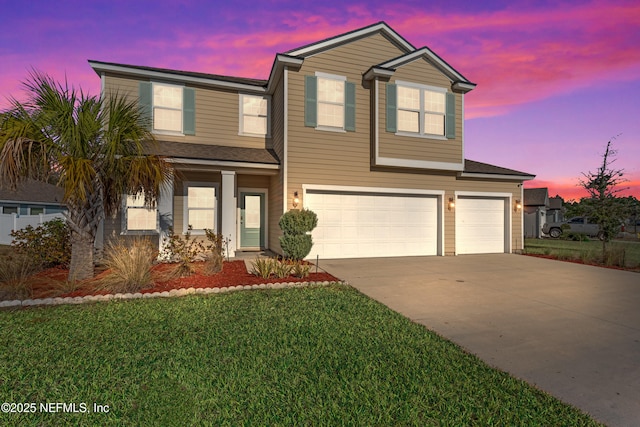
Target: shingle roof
471 166
535 196
231 79
33 191
555 202
213 152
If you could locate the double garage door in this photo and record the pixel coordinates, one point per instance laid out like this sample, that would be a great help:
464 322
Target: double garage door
363 225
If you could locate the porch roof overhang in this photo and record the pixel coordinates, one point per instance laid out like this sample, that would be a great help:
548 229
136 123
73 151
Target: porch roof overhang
214 155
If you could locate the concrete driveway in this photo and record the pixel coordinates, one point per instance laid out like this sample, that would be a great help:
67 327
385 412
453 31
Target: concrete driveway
571 330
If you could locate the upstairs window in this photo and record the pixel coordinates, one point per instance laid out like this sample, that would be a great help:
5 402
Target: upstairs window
171 108
167 108
420 110
254 115
330 103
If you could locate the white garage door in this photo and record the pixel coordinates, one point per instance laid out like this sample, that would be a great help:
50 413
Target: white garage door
361 225
480 225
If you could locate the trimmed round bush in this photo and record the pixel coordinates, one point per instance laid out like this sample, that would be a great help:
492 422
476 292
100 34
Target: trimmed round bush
296 225
296 246
298 221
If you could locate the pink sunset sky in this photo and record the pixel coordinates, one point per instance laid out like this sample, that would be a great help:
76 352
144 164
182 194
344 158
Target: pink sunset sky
556 80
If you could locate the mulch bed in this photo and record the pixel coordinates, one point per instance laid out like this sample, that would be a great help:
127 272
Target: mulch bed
47 283
579 261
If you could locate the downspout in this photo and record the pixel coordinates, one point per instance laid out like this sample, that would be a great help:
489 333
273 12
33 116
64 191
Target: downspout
285 142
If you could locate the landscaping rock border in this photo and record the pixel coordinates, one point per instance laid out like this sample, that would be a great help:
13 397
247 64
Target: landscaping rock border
166 294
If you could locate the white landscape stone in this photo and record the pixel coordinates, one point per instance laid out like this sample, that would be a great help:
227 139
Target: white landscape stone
10 303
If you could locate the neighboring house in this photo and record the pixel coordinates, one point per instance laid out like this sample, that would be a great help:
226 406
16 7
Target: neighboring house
536 206
555 211
31 198
363 128
30 203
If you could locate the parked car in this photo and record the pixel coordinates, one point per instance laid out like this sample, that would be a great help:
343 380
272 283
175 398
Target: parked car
578 224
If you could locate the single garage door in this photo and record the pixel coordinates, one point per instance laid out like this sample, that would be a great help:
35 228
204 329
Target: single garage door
480 225
361 225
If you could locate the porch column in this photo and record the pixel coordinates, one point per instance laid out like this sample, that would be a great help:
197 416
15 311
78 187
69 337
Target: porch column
229 206
165 212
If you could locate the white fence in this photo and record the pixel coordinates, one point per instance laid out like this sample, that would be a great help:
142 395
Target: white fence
12 222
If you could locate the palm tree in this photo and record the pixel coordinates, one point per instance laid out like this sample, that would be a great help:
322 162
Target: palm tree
92 147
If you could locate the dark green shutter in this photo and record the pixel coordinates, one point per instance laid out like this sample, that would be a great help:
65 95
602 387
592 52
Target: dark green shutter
392 114
189 111
310 101
450 120
350 106
145 94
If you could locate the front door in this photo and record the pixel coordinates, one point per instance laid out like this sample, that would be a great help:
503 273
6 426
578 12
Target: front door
252 219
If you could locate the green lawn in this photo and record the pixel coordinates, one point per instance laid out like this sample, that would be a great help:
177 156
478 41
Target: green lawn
627 251
309 356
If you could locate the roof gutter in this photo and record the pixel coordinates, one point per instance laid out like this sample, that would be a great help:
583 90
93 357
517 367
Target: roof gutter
495 176
100 68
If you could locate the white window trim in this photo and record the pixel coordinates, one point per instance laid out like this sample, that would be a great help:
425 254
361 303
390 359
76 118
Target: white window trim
241 131
321 75
185 205
125 212
421 133
153 111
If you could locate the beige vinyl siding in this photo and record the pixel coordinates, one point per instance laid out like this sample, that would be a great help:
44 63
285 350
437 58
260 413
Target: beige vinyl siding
419 148
275 212
217 115
252 181
317 157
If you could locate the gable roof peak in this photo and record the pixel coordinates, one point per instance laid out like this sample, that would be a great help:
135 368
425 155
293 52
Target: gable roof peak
331 42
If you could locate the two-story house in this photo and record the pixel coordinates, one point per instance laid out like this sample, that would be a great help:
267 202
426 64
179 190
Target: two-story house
363 128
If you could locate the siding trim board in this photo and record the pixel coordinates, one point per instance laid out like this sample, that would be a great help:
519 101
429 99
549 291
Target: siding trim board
224 164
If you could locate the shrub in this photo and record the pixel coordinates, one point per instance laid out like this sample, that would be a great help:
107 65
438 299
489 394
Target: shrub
214 254
183 251
15 276
575 236
263 267
186 250
298 221
49 244
296 246
296 225
129 266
